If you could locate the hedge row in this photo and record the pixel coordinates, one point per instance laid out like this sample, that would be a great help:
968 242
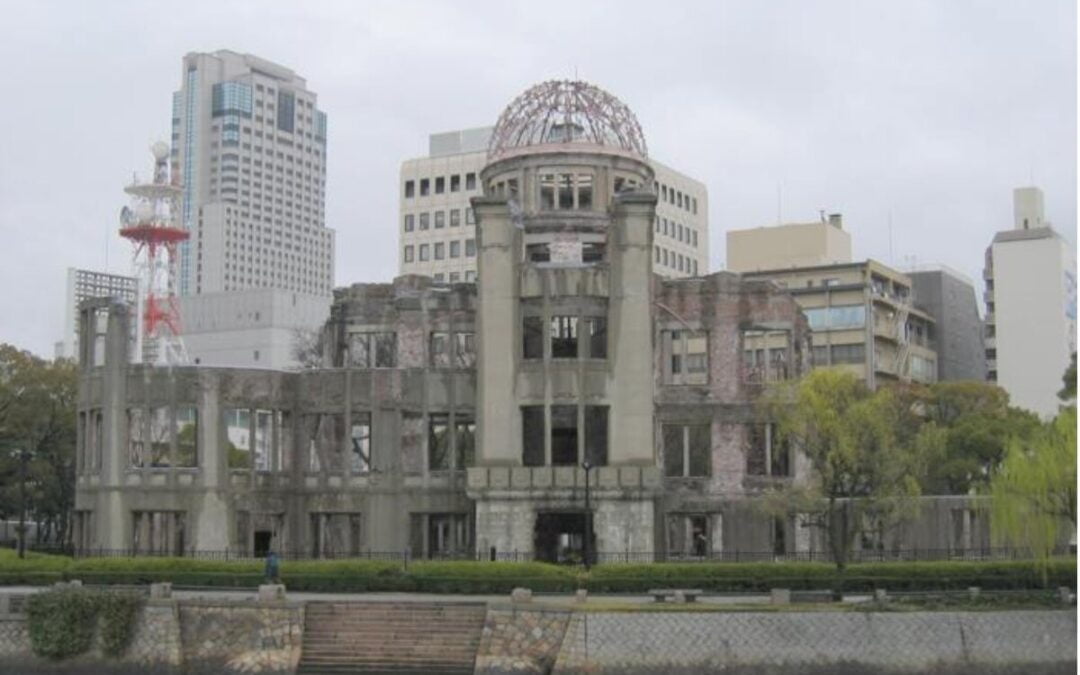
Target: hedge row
501 577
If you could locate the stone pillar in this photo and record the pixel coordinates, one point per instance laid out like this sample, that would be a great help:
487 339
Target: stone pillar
630 320
498 334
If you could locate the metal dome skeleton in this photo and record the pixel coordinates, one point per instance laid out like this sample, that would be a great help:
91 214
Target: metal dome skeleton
566 111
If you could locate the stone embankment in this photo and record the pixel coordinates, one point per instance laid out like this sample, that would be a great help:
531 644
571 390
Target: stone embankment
268 635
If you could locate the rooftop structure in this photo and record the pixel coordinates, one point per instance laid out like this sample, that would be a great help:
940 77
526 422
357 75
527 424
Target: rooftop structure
564 112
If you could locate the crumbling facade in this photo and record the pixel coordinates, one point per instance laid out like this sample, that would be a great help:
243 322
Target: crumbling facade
569 400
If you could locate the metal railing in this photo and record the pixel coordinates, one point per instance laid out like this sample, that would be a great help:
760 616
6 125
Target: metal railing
732 556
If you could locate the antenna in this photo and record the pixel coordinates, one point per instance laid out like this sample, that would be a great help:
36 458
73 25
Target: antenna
779 204
892 260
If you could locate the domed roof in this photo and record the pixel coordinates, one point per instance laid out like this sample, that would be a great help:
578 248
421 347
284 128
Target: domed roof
566 111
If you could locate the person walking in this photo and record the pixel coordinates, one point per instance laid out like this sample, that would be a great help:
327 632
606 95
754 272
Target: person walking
272 571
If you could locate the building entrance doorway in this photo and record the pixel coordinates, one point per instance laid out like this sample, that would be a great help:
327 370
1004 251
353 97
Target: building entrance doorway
262 542
559 537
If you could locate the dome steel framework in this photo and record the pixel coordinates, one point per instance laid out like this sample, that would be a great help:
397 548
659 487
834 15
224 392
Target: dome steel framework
566 111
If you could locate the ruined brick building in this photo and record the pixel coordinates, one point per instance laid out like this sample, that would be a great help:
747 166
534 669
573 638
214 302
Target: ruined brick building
456 419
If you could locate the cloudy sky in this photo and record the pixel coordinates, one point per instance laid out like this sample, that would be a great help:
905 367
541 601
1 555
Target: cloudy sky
922 114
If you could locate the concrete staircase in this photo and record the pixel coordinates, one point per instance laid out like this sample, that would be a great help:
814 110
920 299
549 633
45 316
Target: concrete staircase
391 637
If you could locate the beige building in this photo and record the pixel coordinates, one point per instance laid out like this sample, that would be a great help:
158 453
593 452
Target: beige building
862 314
438 227
1030 277
791 245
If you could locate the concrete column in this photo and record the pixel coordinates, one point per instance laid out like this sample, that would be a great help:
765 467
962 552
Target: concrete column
630 318
498 334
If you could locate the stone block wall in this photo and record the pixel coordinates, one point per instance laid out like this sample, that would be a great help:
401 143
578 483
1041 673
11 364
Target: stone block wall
520 640
241 637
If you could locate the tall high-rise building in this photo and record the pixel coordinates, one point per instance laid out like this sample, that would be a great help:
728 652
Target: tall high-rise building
437 225
249 146
949 297
1030 276
83 285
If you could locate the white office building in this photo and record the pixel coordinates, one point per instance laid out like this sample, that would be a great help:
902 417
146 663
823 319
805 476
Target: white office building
249 146
1030 298
437 226
82 285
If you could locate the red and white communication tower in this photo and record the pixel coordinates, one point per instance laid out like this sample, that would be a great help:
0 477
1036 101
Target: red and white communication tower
151 223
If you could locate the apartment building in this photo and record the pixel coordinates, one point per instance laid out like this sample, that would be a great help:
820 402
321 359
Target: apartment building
863 314
1030 333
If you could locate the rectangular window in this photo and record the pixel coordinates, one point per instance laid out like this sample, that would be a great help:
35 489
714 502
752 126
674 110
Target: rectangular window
424 253
425 187
470 217
410 189
533 337
438 442
440 220
409 253
687 450
440 350
455 183
238 437
547 191
137 436
470 181
532 435
564 337
470 248
160 437
440 250
361 442
596 434
440 185
464 350
585 191
566 191
464 441
409 221
455 217
689 360
455 249
372 350
264 434
187 436
848 353
564 435
425 221
688 536
597 337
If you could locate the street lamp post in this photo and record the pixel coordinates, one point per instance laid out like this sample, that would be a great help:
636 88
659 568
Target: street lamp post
588 517
24 457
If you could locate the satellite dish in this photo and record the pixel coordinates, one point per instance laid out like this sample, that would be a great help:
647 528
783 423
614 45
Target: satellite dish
160 150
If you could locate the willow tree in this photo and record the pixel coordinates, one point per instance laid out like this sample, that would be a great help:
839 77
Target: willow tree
865 451
1033 492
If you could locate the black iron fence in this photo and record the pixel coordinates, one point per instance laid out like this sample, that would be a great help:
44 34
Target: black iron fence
609 557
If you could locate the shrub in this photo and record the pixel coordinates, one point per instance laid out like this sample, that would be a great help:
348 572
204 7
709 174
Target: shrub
898 576
61 622
117 612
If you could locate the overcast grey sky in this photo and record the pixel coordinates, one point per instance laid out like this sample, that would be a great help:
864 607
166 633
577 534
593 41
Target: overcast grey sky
928 113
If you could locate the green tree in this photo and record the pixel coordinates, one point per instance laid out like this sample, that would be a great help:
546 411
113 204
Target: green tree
37 415
865 451
1033 492
1068 392
978 423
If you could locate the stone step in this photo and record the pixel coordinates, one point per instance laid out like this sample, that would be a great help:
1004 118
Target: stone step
391 637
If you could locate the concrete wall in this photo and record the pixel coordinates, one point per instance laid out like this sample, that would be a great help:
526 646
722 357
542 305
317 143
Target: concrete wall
951 301
1034 295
